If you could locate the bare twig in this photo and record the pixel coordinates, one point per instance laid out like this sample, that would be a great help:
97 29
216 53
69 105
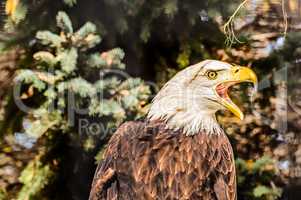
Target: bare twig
284 18
229 26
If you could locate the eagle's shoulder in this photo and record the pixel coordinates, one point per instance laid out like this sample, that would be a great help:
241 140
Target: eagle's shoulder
104 185
121 150
123 136
136 138
129 129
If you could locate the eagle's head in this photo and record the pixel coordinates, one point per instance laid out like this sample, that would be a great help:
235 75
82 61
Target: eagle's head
191 98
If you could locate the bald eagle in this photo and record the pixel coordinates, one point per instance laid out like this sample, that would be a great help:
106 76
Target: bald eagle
179 151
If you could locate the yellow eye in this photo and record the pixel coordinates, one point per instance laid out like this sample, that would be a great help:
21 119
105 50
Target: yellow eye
211 75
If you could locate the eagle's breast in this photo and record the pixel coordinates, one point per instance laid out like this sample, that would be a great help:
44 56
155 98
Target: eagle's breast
150 161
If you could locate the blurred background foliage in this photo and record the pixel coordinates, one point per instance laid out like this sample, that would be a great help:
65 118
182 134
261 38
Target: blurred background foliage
94 48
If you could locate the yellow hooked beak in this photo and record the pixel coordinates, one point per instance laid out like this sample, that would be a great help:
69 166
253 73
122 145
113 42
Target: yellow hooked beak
237 75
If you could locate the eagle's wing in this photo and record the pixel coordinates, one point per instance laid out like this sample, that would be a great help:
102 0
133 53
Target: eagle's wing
225 175
105 182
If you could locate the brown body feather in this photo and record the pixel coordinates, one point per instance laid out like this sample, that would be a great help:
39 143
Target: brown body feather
145 160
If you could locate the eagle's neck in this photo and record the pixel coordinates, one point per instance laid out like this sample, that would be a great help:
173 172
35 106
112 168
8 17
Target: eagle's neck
189 119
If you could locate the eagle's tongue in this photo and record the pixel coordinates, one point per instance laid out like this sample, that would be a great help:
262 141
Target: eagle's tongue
222 90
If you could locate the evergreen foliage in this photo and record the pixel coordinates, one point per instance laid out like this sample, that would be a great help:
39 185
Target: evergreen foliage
250 169
58 74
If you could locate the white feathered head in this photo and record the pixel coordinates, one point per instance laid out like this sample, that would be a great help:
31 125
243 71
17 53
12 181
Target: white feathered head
192 97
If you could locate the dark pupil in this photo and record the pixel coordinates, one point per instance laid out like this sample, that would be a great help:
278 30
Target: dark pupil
211 74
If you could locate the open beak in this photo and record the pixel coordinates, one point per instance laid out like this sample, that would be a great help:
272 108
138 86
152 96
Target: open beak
237 75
